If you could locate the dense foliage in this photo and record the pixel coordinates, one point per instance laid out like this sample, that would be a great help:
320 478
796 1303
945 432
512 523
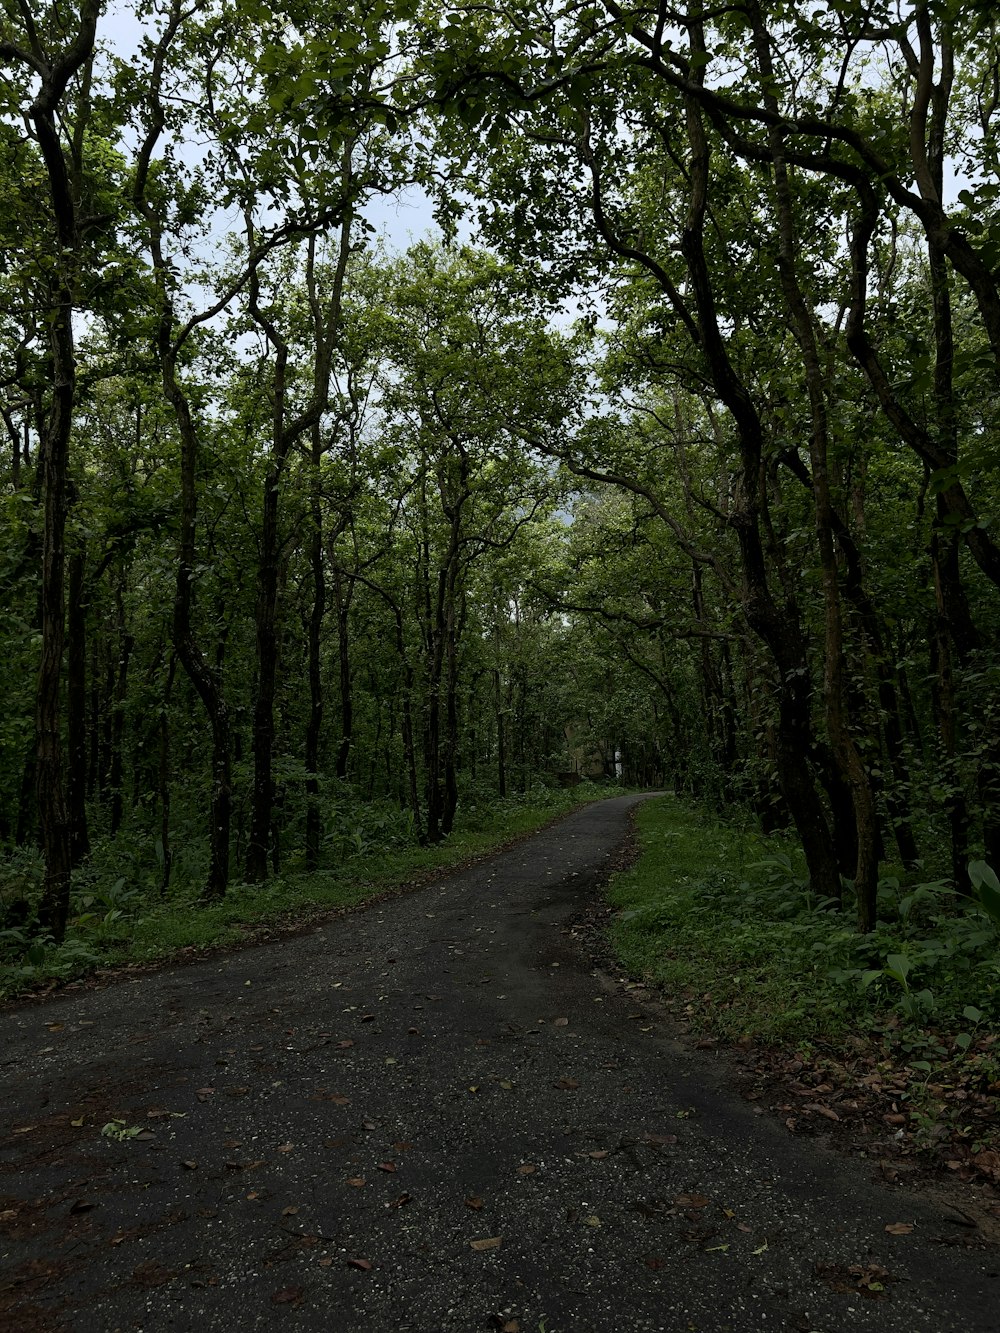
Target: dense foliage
680 468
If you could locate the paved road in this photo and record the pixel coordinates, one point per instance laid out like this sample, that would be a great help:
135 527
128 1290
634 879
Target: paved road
434 1116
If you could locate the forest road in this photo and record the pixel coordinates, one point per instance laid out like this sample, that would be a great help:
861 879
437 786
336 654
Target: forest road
434 1115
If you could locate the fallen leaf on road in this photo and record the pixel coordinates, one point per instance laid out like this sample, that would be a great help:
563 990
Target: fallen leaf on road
692 1201
151 1274
387 1166
77 1124
401 1202
285 1147
474 1202
290 1211
560 1022
491 1243
364 1264
651 1261
287 1295
899 1228
598 1154
570 1084
81 1206
343 1045
326 1263
203 1094
190 1164
592 1220
526 1169
717 1249
357 1181
761 1249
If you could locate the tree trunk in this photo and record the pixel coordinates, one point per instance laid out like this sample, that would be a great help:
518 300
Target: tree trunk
778 629
314 724
76 710
53 815
163 780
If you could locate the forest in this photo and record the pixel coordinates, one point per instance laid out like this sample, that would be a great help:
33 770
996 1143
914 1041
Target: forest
669 460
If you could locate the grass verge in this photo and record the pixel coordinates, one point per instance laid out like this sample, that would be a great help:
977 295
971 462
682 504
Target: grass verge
900 1024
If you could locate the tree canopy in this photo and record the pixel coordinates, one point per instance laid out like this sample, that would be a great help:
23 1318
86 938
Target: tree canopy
670 458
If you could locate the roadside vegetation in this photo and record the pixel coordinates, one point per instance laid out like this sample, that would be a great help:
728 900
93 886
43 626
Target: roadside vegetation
120 917
892 1035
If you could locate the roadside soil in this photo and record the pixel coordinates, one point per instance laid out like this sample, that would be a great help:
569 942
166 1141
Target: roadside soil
440 1114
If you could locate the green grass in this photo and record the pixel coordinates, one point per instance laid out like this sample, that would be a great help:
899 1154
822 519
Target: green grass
723 920
118 918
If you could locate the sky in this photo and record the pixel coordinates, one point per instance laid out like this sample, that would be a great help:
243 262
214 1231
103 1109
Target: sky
400 221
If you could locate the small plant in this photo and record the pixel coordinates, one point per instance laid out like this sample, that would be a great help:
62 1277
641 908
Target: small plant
120 1131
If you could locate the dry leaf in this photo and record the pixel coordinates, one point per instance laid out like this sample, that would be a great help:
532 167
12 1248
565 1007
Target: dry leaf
899 1228
821 1110
491 1243
357 1181
326 1263
527 1169
692 1201
203 1094
560 1022
190 1164
343 1045
288 1295
285 1147
364 1264
598 1154
290 1211
570 1084
592 1220
474 1202
387 1166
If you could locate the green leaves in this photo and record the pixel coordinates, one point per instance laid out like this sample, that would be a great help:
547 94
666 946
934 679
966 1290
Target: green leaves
987 888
